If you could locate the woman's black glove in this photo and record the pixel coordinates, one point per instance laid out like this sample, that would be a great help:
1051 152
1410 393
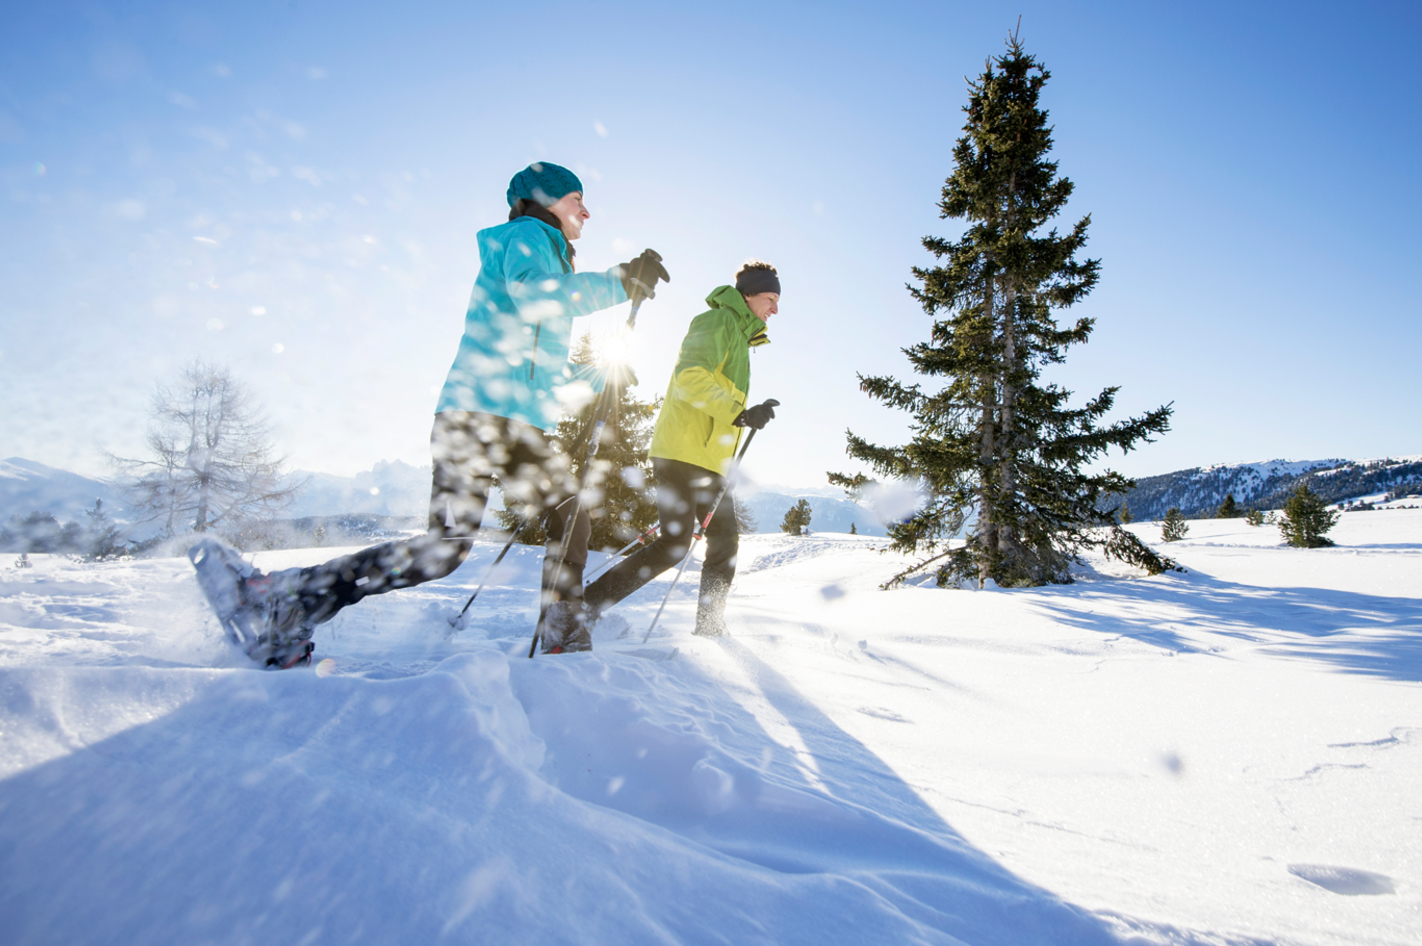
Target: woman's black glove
639 276
756 417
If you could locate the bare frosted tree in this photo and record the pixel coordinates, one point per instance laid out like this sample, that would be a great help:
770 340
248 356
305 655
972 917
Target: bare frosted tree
211 464
745 519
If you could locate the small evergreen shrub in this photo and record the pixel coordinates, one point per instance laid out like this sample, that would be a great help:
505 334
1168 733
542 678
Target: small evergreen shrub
797 518
1306 518
1173 527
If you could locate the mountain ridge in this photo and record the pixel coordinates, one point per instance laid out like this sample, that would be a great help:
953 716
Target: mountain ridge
1197 492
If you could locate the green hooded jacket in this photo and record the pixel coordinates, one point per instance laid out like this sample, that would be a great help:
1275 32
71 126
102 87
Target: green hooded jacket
709 385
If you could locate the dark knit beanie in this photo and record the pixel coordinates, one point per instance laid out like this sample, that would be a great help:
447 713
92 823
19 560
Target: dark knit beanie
544 182
754 281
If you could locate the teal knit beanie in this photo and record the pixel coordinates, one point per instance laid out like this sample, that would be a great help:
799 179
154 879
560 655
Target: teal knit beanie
544 182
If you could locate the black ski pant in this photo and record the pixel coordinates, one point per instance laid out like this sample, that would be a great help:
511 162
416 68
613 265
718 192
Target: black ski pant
684 497
468 450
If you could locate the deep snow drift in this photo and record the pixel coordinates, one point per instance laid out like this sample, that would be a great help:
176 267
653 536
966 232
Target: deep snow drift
1229 755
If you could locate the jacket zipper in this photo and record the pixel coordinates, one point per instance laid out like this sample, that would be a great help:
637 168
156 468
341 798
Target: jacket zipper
533 359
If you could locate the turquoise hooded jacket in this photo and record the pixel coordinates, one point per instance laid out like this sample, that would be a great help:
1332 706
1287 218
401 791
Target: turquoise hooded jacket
513 358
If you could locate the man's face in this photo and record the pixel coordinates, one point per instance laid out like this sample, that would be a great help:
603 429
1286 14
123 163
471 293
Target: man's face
571 213
764 304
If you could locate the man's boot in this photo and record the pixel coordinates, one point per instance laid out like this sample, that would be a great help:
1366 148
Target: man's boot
711 605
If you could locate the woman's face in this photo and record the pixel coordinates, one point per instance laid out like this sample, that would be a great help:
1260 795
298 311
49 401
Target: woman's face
570 211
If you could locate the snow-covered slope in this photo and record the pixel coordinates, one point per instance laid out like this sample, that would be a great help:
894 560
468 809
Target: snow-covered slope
27 486
1225 756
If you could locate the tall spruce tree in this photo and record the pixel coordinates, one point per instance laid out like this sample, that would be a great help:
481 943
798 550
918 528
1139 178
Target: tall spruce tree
623 501
998 450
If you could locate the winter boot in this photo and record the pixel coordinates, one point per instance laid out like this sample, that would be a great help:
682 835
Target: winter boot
711 605
284 635
262 614
565 628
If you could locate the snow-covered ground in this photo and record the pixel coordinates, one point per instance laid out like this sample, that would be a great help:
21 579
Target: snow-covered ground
1230 755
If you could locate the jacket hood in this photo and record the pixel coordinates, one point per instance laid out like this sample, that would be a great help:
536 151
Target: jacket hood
501 233
729 297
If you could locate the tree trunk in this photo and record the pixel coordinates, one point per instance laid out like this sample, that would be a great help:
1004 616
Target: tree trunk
1006 442
987 449
204 496
1006 461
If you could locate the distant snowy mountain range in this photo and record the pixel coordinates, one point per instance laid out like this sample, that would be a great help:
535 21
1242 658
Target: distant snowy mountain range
1199 491
390 488
830 511
27 486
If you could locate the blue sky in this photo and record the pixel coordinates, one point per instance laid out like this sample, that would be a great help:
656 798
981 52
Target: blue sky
292 189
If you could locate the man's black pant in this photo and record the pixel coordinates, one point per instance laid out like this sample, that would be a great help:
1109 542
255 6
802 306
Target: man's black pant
684 497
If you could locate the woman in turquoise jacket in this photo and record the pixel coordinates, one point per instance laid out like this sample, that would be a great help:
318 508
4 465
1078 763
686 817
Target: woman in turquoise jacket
505 390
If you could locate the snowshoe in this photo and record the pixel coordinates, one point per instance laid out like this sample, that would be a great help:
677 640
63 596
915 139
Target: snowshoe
260 613
282 654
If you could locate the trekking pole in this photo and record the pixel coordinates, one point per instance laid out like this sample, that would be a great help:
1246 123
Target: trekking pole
600 415
699 534
457 622
620 552
570 523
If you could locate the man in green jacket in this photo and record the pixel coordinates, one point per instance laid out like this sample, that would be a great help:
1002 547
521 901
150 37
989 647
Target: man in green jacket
695 438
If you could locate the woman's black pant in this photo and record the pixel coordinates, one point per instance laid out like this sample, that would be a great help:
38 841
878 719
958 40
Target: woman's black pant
468 450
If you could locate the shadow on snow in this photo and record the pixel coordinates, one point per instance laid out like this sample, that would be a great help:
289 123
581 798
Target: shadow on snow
1358 633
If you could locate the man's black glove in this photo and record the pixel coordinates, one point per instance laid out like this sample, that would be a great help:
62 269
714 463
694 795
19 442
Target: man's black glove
756 417
639 276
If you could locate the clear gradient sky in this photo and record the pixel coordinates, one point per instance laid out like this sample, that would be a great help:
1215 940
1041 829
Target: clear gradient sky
292 189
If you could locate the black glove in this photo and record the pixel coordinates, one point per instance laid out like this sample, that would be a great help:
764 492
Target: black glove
756 417
639 276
